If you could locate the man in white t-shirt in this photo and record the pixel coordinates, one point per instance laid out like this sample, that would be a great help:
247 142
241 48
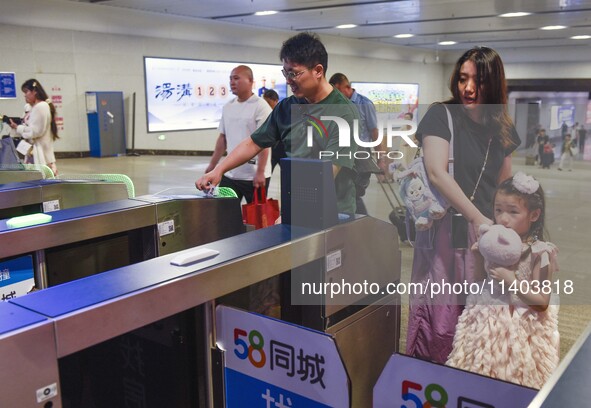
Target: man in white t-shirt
240 118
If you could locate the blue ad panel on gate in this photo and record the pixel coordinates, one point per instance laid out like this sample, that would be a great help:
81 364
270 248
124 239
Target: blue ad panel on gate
412 382
16 270
245 391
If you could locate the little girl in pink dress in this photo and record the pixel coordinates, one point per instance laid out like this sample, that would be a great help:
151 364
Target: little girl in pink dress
512 334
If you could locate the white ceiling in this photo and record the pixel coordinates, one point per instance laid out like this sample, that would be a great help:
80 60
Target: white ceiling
468 22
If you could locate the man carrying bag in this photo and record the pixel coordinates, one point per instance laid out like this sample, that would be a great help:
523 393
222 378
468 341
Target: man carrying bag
261 212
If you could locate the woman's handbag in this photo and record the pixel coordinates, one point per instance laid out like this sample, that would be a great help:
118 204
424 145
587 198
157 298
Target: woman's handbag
423 202
8 152
260 213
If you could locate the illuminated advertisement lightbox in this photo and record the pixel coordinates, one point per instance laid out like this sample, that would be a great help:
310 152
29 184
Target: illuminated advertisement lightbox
186 94
390 99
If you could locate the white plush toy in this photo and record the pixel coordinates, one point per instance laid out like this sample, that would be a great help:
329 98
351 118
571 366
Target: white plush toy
499 245
420 203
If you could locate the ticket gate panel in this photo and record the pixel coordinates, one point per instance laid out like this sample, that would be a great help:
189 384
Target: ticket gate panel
15 176
366 341
188 223
70 194
18 199
29 366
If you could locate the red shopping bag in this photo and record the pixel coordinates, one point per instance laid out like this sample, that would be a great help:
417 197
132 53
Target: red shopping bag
260 213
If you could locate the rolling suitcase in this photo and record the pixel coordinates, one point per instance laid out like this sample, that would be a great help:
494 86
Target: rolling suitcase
398 214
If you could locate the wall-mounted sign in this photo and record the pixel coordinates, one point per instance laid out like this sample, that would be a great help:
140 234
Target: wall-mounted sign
7 85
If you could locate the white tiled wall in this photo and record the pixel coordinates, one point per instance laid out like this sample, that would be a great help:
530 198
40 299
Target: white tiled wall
107 55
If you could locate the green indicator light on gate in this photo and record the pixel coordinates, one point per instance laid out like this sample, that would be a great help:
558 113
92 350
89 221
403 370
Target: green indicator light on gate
28 220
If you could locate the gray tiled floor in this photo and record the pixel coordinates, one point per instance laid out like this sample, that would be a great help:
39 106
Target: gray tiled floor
568 216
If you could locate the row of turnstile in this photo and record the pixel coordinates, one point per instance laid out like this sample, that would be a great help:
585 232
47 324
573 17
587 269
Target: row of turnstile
116 325
47 195
95 227
108 288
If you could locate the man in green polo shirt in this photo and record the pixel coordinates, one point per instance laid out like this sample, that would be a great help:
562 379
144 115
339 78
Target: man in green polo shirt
297 119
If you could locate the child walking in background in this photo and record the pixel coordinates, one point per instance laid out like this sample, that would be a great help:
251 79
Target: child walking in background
514 336
566 156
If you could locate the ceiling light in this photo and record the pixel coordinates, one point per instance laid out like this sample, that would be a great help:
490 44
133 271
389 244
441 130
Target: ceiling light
346 26
581 37
447 42
404 35
515 14
265 13
555 27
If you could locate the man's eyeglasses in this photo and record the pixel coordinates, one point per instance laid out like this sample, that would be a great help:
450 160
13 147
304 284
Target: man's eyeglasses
292 75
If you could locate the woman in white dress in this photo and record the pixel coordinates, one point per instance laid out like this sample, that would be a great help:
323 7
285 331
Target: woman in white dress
39 127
